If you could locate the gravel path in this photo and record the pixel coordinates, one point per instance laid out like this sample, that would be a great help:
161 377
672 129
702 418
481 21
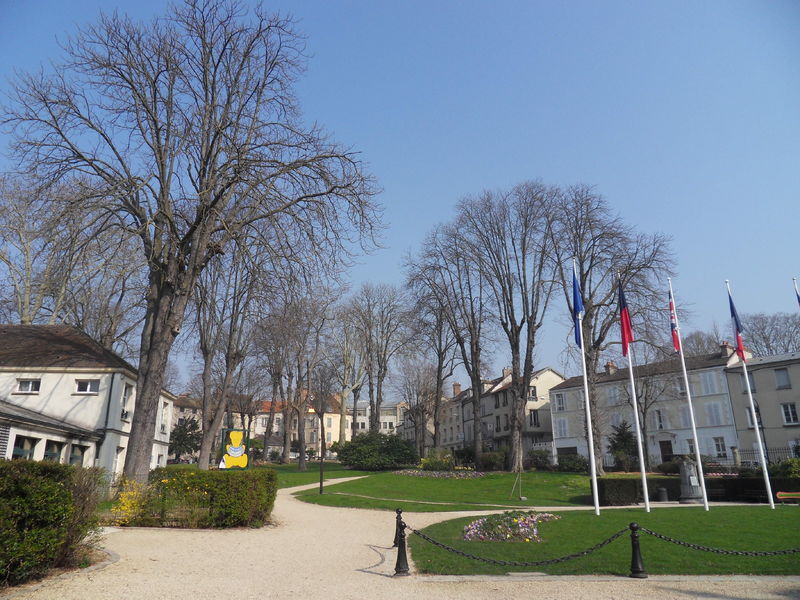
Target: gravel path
317 552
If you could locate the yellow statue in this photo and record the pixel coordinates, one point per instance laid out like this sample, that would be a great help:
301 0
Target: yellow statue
235 453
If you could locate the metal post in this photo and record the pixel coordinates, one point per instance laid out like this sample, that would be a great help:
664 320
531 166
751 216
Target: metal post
401 566
637 566
397 521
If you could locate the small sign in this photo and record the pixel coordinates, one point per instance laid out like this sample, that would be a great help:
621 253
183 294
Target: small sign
693 481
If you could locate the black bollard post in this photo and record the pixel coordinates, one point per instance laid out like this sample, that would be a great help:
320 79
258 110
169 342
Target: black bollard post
401 566
397 522
637 566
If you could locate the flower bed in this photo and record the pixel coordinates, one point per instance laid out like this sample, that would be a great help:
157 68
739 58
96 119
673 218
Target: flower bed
457 474
512 526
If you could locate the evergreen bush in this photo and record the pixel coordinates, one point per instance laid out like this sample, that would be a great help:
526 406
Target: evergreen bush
573 463
375 451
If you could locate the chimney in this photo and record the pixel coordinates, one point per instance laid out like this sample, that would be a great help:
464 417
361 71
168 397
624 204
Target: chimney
726 349
611 368
456 389
507 372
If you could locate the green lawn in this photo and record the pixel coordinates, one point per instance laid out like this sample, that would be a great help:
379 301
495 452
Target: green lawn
755 528
290 476
390 490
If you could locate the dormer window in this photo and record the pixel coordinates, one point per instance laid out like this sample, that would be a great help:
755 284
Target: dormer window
28 386
87 386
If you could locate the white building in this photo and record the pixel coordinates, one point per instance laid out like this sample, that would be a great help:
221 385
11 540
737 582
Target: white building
661 391
65 398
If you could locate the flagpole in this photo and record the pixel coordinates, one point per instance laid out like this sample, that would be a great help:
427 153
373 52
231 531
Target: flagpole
592 465
636 419
688 398
754 416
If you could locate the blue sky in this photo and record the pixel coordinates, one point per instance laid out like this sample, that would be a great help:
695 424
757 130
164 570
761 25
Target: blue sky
684 115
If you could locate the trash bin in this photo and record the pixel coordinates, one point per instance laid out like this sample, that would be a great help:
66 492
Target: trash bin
661 494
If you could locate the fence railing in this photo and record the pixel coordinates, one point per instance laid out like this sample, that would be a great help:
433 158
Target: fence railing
637 563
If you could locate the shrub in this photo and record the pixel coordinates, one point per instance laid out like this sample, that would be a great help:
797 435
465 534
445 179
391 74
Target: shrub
573 463
46 514
438 459
672 467
377 452
621 491
493 461
540 460
218 498
464 456
274 456
788 468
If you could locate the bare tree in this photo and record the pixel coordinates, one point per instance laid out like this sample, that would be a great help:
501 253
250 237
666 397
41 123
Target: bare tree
225 292
767 335
446 267
381 313
344 349
509 237
416 385
323 400
604 246
187 128
702 342
433 337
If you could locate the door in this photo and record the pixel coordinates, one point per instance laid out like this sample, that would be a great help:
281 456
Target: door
666 451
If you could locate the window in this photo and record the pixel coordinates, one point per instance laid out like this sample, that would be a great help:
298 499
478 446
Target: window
561 428
505 398
790 414
363 425
612 395
391 424
497 423
87 386
782 379
750 417
708 380
719 447
264 421
561 402
533 418
659 419
505 424
329 422
497 401
690 446
744 386
24 447
713 414
76 454
685 417
127 392
28 386
327 436
680 386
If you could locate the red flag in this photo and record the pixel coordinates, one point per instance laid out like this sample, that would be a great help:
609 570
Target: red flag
624 322
673 324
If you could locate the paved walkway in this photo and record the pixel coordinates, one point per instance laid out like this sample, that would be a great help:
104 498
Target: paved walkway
316 552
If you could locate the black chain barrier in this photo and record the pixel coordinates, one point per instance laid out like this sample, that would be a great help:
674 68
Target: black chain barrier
514 563
666 538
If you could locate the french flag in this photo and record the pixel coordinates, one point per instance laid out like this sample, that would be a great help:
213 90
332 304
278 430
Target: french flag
673 324
737 328
624 321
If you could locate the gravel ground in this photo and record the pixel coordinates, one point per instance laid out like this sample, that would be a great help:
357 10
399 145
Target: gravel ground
314 552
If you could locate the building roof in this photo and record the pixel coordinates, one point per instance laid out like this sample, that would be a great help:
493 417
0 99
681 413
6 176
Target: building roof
664 367
186 401
54 346
14 413
769 361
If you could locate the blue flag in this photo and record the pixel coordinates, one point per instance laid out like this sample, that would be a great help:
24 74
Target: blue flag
577 307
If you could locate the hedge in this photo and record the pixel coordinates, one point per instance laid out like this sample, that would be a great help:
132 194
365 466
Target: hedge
215 498
623 491
47 511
